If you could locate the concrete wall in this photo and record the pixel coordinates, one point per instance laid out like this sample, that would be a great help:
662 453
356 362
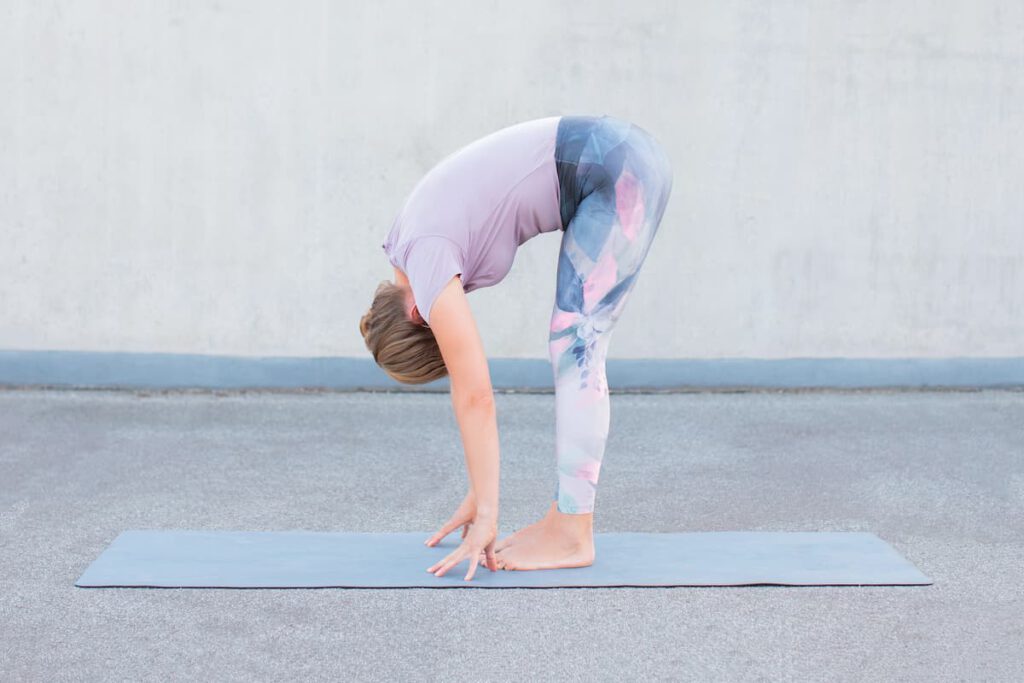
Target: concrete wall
217 177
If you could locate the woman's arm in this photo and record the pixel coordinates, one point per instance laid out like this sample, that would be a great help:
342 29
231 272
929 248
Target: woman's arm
478 423
451 321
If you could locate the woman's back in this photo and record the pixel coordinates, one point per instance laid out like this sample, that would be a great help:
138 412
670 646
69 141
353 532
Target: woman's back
472 210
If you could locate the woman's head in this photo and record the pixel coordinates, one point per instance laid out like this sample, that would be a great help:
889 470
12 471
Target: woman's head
402 347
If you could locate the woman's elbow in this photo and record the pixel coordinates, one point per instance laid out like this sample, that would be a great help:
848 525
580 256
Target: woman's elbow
474 400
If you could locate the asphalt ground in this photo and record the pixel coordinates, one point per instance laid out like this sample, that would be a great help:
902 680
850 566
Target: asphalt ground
937 474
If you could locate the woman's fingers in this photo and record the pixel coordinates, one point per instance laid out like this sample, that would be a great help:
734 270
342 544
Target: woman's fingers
444 561
472 570
482 555
471 548
450 560
492 561
447 564
459 554
440 563
448 527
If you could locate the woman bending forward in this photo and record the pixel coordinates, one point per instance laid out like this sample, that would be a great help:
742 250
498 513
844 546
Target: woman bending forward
604 183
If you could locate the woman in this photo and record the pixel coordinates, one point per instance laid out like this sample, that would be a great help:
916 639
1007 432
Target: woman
602 181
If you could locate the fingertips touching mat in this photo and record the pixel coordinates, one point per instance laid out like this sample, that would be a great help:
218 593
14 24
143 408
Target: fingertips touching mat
308 559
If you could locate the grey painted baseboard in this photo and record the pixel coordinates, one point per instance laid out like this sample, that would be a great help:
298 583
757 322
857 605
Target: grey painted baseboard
91 369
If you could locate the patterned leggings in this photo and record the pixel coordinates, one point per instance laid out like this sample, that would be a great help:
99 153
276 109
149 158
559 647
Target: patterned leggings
615 180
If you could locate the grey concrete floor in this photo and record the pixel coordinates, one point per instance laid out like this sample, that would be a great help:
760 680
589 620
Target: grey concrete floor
939 475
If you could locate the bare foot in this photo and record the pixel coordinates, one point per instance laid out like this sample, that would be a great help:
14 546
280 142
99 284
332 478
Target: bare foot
559 540
527 532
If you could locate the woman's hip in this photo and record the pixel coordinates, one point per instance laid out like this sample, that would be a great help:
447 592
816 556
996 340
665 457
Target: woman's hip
599 153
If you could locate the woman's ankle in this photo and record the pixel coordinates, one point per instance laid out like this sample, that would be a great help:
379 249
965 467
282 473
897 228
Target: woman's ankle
570 522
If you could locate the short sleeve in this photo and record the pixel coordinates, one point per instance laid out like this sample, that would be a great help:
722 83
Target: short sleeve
430 264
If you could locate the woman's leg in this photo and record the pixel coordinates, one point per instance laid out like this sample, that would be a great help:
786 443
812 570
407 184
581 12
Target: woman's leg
622 180
602 250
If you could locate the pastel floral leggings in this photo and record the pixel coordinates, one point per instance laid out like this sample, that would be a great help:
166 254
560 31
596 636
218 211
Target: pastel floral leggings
615 180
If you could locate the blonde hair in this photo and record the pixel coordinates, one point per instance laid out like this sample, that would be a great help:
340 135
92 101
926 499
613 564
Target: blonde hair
405 350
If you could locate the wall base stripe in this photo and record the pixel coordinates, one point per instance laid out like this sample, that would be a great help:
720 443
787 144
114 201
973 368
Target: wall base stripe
98 369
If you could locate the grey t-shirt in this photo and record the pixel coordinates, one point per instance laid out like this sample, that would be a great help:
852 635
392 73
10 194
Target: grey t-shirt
470 212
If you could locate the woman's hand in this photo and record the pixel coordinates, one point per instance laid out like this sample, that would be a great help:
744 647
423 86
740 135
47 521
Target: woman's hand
479 534
463 517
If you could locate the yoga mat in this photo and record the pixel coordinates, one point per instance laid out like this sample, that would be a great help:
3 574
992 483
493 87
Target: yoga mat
308 559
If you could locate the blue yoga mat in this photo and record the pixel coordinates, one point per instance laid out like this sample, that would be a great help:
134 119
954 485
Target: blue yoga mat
309 559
